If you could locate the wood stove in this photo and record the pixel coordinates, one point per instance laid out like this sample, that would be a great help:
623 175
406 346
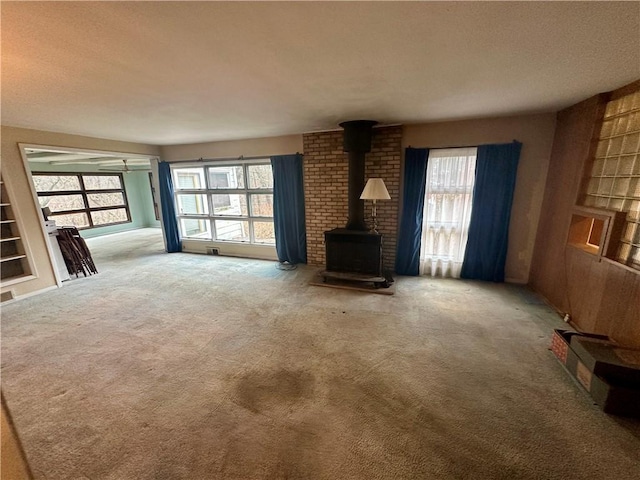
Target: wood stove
355 252
351 251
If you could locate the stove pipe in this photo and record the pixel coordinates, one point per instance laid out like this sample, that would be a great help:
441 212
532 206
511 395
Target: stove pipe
357 142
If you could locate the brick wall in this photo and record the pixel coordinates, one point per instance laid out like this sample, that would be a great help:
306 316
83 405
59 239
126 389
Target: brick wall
384 161
326 172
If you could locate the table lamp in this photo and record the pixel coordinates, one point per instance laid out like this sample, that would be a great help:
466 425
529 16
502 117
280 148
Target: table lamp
375 189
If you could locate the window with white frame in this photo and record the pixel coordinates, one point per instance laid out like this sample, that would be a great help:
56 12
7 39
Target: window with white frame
225 202
447 210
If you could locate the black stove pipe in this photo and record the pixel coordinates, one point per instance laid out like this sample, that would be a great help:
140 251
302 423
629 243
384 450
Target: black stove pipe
357 142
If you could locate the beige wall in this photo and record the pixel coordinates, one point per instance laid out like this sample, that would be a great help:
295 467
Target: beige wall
16 178
534 131
253 147
536 134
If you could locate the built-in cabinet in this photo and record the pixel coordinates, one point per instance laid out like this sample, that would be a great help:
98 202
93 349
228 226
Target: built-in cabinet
14 263
596 231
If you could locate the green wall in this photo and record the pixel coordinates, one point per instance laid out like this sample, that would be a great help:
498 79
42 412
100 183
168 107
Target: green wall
138 190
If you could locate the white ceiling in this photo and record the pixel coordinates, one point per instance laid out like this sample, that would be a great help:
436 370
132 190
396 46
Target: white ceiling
183 72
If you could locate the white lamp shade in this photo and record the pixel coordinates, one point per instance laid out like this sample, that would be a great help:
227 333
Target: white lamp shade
375 190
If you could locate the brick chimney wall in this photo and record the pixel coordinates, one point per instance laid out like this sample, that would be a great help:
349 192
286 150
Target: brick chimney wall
326 172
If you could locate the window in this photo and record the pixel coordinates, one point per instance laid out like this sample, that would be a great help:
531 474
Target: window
614 182
231 203
83 200
447 210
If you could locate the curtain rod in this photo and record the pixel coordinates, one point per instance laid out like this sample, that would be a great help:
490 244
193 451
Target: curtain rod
448 147
227 159
466 146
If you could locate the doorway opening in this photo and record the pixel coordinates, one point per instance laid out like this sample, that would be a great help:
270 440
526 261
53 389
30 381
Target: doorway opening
90 194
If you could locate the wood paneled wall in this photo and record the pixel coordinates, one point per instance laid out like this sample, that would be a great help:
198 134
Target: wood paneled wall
601 296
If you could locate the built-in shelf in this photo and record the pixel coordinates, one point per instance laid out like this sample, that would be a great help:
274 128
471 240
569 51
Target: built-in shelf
591 249
13 256
596 231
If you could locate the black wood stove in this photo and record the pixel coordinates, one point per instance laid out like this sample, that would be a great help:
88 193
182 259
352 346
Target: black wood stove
354 252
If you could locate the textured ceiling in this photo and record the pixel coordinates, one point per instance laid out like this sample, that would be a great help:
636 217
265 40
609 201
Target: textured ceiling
183 72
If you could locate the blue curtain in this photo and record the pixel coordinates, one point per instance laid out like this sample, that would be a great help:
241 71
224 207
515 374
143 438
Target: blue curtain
415 179
486 253
288 208
167 203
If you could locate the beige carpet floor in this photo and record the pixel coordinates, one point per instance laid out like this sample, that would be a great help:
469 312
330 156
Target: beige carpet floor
182 366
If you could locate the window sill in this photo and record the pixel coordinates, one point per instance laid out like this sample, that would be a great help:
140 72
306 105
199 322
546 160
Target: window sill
231 249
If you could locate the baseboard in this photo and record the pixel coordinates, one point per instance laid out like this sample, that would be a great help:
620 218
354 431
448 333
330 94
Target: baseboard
111 234
30 294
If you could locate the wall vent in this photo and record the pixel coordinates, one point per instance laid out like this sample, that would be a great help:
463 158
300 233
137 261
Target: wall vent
6 296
